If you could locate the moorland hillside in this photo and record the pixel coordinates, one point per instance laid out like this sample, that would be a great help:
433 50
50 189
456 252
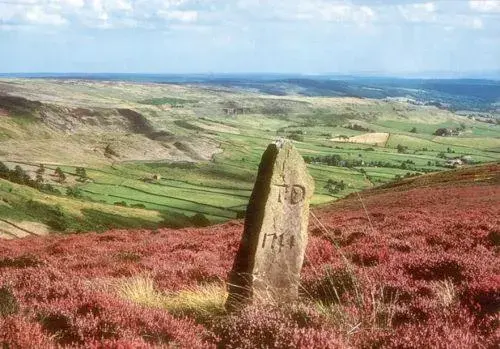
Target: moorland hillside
411 265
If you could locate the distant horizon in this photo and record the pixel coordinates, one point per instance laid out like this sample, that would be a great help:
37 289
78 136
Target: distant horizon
444 75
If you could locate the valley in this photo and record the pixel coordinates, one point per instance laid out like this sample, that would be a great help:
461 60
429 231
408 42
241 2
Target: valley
185 154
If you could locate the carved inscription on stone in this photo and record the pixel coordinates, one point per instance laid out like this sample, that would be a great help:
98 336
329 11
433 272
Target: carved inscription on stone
272 249
293 194
278 241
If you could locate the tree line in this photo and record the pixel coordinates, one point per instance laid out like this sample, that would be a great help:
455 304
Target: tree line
20 176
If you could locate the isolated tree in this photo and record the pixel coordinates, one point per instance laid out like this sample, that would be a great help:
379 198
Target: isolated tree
39 174
334 187
39 178
61 177
401 148
413 130
74 192
4 170
41 169
81 172
19 175
442 132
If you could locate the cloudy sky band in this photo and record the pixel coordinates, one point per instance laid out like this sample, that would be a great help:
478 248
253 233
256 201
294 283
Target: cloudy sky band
251 35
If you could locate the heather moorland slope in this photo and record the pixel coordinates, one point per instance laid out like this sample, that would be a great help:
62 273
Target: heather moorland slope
409 265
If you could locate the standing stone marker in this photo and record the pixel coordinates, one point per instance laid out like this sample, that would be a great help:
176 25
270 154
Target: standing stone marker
271 253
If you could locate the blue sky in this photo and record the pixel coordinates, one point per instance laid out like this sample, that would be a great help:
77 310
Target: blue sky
284 36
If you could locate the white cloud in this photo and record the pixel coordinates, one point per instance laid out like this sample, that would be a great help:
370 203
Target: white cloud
57 12
181 16
37 15
485 5
424 12
311 10
159 14
428 6
345 13
72 3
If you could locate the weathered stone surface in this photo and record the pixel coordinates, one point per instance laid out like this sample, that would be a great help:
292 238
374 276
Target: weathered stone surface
271 253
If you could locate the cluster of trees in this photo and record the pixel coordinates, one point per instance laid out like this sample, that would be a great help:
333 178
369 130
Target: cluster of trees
74 192
402 148
19 176
82 174
405 165
296 135
337 160
330 160
58 173
357 127
450 131
334 187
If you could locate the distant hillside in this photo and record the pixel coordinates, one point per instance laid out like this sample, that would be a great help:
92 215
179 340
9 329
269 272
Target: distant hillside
476 94
454 94
63 132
